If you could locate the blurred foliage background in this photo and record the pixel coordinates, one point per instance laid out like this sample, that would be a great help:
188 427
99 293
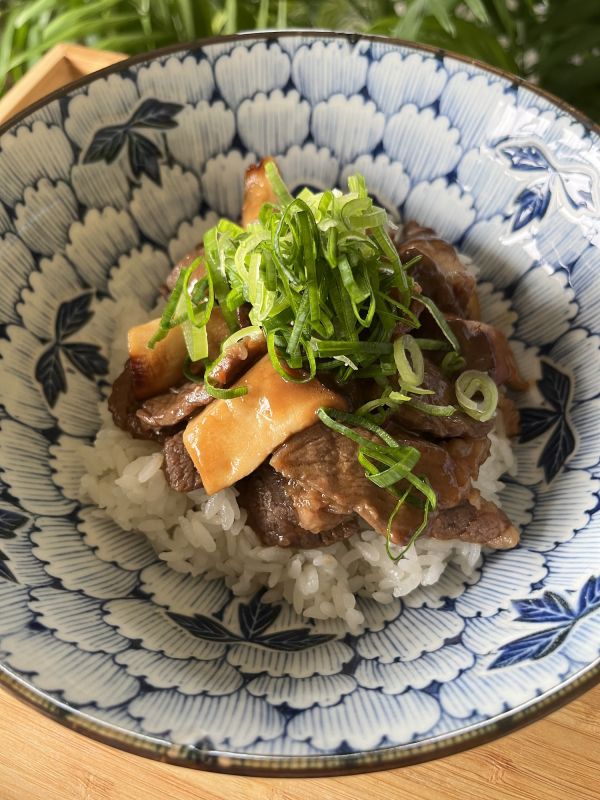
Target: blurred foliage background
555 43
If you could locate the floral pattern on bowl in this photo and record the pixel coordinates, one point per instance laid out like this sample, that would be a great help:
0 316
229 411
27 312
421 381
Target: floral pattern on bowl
119 177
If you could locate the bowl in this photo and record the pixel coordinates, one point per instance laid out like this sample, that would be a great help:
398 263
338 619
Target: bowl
107 183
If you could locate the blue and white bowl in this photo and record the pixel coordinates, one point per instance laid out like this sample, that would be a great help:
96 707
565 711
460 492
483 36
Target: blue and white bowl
106 184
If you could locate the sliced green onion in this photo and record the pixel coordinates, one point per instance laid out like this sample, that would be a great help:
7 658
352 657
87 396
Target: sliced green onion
414 536
243 333
357 185
220 393
390 522
452 362
321 265
341 348
406 460
418 390
347 362
414 260
471 383
424 487
201 319
196 340
398 397
283 369
371 405
432 344
277 184
339 420
431 409
164 325
411 374
440 320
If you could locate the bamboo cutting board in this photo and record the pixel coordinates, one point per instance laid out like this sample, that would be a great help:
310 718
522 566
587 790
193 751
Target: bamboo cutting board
555 759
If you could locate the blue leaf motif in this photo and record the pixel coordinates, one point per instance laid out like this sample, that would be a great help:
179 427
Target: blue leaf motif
5 572
557 449
291 641
255 617
526 157
86 358
532 203
535 646
550 607
578 188
50 373
72 315
204 628
555 386
535 422
589 597
9 522
106 144
143 156
154 113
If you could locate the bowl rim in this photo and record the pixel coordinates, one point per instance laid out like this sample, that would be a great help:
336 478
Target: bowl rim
263 765
272 34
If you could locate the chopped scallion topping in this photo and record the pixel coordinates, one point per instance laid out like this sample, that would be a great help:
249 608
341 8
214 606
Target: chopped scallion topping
411 372
468 386
321 276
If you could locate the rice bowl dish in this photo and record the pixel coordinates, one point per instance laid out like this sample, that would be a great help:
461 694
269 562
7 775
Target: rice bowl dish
201 535
175 623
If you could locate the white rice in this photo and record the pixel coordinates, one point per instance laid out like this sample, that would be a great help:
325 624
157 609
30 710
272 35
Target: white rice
198 534
202 535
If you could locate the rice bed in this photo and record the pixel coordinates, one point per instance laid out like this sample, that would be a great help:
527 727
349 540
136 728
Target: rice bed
203 535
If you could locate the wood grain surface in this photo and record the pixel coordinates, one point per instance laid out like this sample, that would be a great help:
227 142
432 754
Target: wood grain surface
557 758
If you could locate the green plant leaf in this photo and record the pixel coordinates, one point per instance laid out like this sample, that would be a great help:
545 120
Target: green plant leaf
410 23
67 19
186 15
132 42
6 44
32 10
262 18
439 9
478 10
471 40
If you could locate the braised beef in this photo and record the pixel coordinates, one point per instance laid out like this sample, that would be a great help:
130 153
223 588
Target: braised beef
486 348
457 424
272 513
180 472
468 455
174 407
439 271
123 406
217 330
326 462
182 264
237 359
242 315
356 391
312 509
476 520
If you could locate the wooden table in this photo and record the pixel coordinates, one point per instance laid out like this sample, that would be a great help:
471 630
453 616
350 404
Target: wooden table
555 759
